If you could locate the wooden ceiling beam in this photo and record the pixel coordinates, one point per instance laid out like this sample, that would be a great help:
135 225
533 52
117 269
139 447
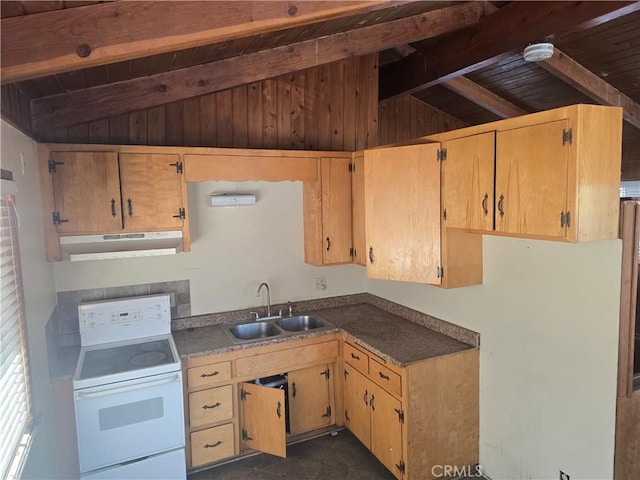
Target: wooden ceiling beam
571 72
483 97
76 38
103 101
510 28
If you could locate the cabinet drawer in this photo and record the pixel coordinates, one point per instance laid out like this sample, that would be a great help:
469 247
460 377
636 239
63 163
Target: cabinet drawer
290 359
207 374
210 406
356 358
212 444
385 377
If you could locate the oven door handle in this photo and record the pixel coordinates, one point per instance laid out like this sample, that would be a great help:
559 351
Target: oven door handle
128 388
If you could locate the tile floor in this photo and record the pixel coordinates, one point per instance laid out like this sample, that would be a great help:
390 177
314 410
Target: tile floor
341 457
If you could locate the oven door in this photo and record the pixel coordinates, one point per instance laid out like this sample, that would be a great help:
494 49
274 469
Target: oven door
128 420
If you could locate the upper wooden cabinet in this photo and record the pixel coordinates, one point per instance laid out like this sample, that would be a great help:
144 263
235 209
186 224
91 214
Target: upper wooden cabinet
357 209
402 211
86 192
151 186
99 192
327 213
467 182
557 175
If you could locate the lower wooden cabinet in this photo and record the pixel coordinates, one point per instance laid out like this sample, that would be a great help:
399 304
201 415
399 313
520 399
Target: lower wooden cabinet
311 399
411 418
212 444
416 417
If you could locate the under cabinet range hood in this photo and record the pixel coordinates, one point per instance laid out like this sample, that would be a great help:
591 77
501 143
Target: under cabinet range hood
120 245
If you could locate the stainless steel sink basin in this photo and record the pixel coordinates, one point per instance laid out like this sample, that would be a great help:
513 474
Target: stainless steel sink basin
299 323
254 330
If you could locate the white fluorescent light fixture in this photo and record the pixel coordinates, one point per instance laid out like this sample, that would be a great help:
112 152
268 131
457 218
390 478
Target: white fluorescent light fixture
233 200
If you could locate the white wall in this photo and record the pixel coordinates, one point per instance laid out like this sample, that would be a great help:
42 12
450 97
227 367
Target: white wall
40 299
548 318
233 250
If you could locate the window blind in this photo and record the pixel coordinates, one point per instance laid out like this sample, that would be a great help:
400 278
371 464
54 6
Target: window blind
15 403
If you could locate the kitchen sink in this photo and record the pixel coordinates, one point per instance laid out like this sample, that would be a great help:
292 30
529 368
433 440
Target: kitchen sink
254 330
299 323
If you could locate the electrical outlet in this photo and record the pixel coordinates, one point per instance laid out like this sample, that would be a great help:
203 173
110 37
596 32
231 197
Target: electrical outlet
564 476
321 283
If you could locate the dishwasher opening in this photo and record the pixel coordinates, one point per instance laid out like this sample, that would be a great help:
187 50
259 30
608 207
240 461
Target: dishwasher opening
280 381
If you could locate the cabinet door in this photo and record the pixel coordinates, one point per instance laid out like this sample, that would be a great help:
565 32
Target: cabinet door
356 405
151 191
531 180
357 206
310 399
386 429
86 190
402 209
467 182
264 426
336 210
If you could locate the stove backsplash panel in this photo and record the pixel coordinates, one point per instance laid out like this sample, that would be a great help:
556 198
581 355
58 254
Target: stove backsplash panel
68 329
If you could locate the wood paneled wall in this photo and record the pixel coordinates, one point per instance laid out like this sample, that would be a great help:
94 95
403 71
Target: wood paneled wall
330 107
15 108
404 118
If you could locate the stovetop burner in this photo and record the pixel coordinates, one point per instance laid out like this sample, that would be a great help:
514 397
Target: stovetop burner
123 358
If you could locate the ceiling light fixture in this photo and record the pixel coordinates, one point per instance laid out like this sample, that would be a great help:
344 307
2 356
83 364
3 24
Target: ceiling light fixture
537 52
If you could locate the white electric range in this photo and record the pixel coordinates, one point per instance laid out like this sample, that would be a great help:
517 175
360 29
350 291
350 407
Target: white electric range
127 391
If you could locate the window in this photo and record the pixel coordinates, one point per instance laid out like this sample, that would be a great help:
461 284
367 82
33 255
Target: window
15 404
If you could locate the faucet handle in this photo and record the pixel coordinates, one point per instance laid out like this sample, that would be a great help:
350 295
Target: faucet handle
288 306
255 314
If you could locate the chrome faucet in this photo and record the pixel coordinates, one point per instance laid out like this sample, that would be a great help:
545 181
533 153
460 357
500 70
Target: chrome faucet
264 284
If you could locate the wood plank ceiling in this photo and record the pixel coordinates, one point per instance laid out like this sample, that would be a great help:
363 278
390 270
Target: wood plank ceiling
67 62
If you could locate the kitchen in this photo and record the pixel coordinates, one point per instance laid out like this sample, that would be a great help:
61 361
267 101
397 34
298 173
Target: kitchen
523 394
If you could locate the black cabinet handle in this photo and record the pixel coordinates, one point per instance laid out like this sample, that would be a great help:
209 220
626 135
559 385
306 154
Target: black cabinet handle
293 390
371 402
365 398
382 375
328 244
215 405
355 357
370 254
205 375
484 204
501 206
279 410
130 205
346 416
214 445
113 207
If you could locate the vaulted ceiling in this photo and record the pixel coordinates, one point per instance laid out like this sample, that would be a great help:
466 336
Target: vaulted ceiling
68 62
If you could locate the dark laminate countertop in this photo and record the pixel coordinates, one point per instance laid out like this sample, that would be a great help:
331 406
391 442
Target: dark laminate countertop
390 336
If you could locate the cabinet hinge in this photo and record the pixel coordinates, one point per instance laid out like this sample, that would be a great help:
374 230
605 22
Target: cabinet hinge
245 435
178 166
56 218
326 373
345 374
352 167
243 394
567 136
181 214
565 219
52 165
441 154
400 415
327 413
400 466
352 252
440 272
444 214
